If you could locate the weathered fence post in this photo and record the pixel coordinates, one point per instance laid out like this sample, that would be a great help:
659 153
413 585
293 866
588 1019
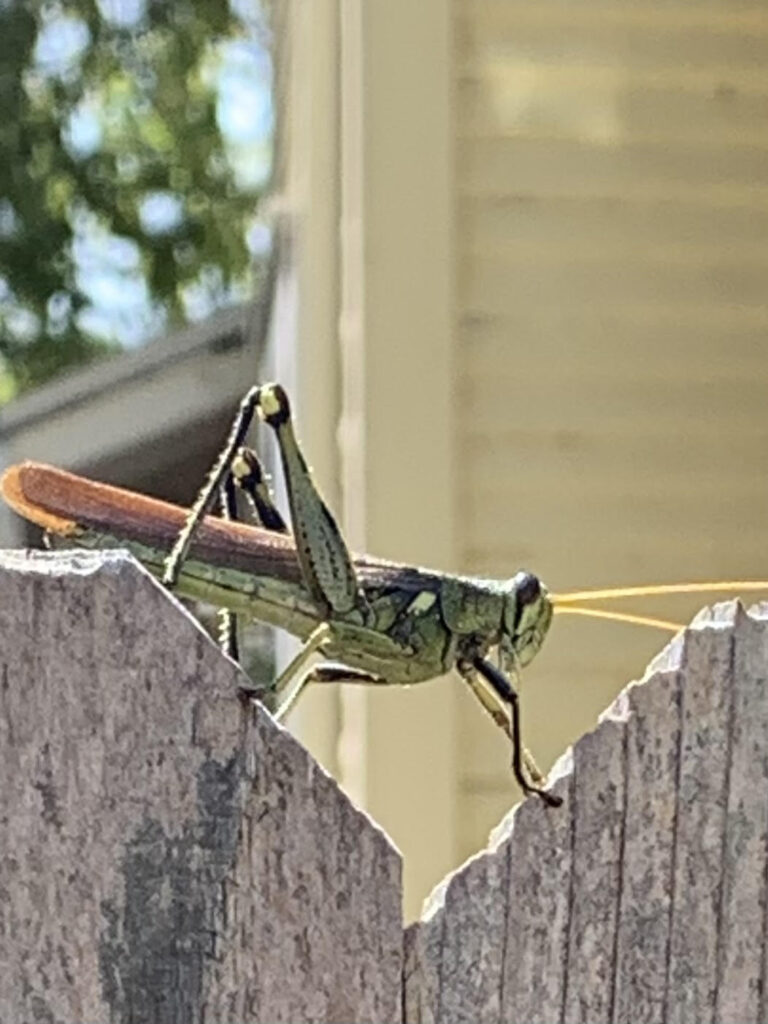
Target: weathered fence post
645 898
168 854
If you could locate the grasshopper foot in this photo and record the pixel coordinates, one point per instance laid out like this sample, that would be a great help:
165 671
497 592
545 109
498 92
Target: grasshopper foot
550 799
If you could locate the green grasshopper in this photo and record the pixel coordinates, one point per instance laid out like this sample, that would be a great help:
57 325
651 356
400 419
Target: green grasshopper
378 622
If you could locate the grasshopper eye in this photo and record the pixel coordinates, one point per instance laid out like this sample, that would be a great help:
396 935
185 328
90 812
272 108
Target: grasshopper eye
527 615
527 588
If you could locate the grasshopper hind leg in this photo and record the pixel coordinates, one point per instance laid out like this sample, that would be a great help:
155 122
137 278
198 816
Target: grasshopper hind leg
326 563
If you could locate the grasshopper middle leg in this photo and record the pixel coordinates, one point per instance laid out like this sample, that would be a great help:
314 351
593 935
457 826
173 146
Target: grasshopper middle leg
324 672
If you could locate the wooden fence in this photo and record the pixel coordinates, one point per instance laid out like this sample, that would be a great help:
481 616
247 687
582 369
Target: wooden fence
171 856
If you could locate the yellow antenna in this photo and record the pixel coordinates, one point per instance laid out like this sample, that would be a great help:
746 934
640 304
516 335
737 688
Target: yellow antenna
636 620
659 590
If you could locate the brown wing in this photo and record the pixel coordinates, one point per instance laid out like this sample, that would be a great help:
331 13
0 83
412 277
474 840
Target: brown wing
67 504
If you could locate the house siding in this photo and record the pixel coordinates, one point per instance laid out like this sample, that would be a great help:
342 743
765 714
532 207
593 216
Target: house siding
612 352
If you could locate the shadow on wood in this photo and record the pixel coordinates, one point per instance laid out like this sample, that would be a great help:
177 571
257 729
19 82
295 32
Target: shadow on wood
170 855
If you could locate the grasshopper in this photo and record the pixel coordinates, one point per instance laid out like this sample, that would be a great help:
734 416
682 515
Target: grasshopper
374 622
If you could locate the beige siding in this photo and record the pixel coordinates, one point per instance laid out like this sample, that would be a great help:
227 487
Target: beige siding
612 213
396 329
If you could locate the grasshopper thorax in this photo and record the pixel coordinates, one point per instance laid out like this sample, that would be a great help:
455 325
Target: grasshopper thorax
527 617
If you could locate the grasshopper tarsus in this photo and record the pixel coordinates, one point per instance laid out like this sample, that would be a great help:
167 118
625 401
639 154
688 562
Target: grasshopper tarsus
550 799
248 695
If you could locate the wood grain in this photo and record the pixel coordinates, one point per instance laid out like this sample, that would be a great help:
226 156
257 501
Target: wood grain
167 854
644 898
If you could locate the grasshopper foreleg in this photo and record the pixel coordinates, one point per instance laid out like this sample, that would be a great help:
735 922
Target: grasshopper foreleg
507 697
497 708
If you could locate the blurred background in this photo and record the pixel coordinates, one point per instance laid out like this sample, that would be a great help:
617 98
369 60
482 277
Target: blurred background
510 257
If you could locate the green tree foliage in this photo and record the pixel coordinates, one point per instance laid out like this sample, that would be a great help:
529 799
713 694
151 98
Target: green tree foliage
127 115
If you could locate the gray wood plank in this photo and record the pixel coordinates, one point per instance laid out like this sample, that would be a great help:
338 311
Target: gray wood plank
491 945
444 978
644 897
168 854
598 835
742 924
700 823
538 901
653 740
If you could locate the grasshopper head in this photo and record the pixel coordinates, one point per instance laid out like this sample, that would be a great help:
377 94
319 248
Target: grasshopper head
527 616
